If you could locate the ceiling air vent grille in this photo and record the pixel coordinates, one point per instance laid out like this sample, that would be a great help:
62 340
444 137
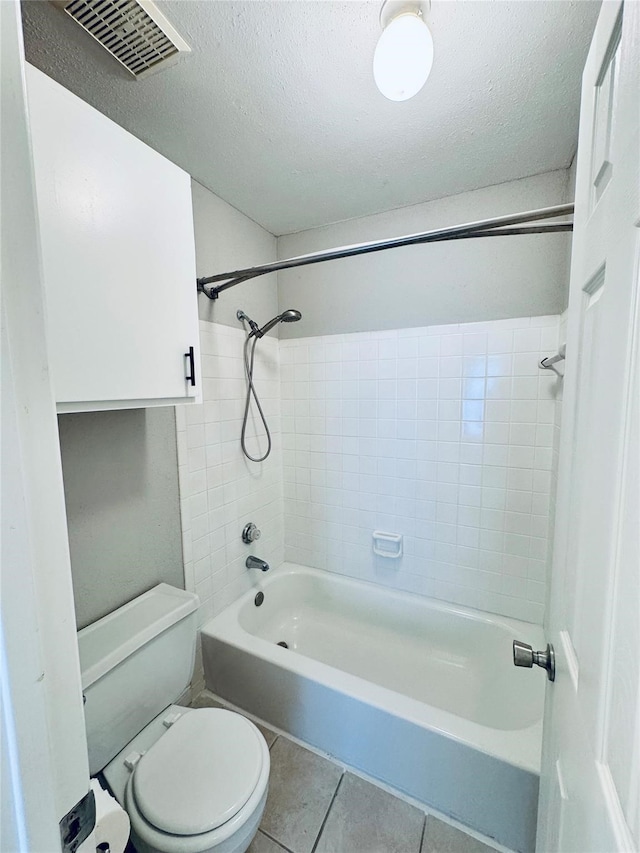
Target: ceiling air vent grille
135 32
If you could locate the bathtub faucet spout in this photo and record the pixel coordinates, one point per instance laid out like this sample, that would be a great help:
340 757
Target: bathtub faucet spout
257 563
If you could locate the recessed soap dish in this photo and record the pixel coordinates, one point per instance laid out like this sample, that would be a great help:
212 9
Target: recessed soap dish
387 544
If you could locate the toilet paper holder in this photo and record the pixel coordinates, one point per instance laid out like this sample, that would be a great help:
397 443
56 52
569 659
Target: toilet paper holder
112 827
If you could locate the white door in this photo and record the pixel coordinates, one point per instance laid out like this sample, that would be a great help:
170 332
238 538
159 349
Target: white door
590 794
44 771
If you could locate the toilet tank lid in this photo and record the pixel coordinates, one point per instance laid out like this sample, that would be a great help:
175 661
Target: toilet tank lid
106 643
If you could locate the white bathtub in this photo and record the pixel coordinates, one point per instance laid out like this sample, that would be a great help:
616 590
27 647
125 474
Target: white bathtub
417 693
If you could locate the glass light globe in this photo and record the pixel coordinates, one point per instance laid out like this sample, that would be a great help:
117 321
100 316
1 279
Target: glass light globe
403 57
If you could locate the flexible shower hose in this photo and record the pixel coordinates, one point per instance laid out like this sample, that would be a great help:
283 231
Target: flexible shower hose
248 367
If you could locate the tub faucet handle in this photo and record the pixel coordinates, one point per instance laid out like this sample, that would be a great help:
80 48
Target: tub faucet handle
250 533
523 655
256 563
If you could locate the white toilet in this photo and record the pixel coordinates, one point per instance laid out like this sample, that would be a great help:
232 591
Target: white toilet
192 781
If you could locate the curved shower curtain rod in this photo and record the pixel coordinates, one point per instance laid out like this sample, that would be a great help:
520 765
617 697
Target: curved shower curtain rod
497 227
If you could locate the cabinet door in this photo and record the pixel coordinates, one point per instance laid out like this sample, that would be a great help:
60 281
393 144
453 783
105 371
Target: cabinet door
116 226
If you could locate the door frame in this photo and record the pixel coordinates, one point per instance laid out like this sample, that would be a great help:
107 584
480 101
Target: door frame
603 824
45 770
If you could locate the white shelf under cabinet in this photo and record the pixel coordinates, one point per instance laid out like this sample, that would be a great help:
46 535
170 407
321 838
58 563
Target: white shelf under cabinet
116 229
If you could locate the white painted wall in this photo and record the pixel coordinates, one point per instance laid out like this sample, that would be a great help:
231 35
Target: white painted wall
123 506
227 240
456 282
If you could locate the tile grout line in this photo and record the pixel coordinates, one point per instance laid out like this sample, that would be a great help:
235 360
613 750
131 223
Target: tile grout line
275 840
322 826
424 832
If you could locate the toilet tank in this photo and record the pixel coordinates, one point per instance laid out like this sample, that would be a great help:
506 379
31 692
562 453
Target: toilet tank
135 662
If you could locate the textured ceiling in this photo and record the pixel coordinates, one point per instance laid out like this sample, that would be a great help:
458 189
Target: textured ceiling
276 111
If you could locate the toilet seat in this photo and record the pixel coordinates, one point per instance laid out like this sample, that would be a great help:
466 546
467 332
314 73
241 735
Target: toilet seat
177 797
200 773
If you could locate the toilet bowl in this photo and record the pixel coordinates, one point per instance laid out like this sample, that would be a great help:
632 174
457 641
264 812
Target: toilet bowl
191 781
194 781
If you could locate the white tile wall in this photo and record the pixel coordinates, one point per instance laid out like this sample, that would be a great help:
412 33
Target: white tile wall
220 491
444 434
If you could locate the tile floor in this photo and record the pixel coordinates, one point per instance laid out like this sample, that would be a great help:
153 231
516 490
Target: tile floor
315 806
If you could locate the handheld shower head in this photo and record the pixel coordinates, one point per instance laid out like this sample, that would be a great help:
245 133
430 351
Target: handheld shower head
288 316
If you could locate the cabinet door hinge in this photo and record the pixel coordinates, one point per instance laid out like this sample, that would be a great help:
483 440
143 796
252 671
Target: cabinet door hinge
78 823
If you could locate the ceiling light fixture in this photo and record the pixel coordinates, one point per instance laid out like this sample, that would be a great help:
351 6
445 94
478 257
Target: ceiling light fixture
404 53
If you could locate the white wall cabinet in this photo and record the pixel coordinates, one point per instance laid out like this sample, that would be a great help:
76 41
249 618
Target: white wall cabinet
116 226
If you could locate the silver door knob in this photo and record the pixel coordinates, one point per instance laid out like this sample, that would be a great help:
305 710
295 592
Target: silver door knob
523 655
